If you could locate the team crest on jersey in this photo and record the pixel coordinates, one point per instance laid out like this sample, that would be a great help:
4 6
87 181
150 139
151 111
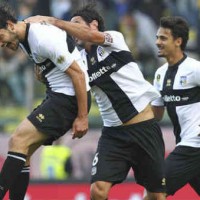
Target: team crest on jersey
100 51
169 82
183 80
60 59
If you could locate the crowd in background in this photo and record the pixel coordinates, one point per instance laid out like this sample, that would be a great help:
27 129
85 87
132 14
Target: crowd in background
136 19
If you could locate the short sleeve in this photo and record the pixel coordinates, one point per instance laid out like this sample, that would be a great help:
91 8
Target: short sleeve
197 74
159 101
55 48
115 39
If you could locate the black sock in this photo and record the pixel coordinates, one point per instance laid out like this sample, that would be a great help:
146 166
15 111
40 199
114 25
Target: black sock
10 170
18 189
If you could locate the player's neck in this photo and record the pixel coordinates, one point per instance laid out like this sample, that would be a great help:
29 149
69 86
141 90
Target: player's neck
88 47
21 30
175 58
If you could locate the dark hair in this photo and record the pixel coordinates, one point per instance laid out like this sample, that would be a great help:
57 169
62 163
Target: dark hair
178 26
89 13
6 13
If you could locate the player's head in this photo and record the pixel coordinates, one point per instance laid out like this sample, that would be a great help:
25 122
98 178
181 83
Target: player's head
89 15
6 14
179 28
172 36
8 37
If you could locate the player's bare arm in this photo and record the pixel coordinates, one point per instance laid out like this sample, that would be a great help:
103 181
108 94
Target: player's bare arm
158 112
75 28
80 125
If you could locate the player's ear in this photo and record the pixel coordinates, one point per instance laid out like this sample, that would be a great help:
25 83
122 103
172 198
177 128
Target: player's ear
10 25
178 41
94 23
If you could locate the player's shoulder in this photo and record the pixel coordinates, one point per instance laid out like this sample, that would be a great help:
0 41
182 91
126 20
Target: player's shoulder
115 39
113 33
39 27
162 68
190 64
44 30
192 61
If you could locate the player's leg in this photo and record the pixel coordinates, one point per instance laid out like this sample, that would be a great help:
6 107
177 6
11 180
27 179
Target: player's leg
182 167
149 168
100 190
22 139
19 188
109 165
195 184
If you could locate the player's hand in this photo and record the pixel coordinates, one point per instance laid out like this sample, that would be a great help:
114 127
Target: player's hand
80 127
37 73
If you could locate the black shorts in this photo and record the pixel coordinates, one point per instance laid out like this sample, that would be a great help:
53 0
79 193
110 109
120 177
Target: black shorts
182 167
140 147
55 115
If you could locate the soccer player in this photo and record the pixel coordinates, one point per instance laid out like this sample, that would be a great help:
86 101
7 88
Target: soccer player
178 81
130 138
66 104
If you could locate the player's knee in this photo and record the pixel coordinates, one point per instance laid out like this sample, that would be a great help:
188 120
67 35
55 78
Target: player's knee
98 191
17 144
155 196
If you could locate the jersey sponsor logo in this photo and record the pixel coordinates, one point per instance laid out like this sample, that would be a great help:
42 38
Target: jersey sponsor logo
173 98
101 71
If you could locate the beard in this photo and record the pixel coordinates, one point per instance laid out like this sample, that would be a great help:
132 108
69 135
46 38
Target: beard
13 46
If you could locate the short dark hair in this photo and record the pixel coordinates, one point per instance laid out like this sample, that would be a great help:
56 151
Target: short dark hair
6 13
89 13
178 26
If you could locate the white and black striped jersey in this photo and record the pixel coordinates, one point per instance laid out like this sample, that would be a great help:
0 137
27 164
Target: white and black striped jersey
53 51
179 86
116 81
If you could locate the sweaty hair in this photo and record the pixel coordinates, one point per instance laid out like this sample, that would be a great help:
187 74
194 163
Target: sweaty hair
89 13
178 27
6 13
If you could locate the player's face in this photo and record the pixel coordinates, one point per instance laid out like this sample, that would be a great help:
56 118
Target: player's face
79 20
9 39
166 43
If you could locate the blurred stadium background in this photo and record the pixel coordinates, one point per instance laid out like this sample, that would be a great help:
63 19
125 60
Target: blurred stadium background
20 92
